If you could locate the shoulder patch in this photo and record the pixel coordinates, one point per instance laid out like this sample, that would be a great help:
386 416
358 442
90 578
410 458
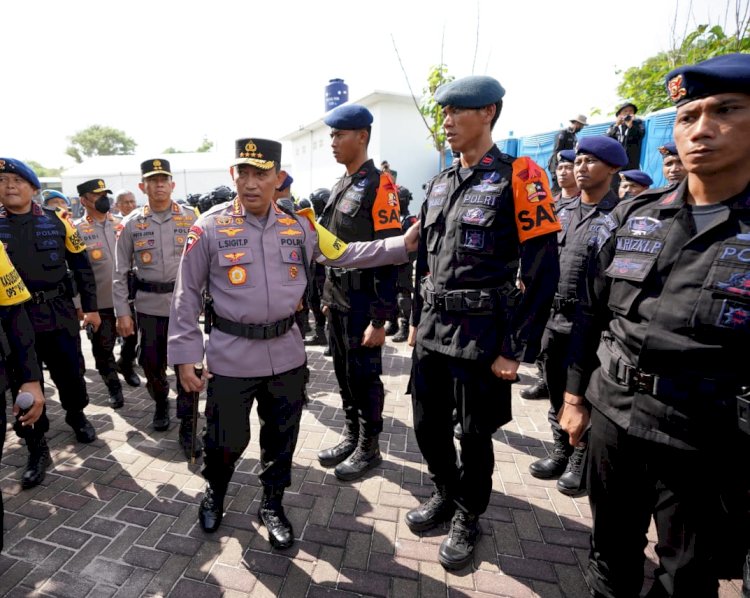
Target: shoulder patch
534 206
386 212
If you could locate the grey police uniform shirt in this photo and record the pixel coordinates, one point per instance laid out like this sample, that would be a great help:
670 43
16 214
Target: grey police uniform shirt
152 242
100 239
256 275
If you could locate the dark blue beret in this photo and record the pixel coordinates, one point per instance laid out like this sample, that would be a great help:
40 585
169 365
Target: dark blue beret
722 74
637 176
668 149
605 148
288 180
349 117
566 156
17 167
470 92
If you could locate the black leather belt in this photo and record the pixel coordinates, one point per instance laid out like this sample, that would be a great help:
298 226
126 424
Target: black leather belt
39 297
154 287
254 331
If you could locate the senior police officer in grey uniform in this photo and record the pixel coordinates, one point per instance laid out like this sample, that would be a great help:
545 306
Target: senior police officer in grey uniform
482 218
44 245
597 160
254 261
363 206
151 240
97 229
669 309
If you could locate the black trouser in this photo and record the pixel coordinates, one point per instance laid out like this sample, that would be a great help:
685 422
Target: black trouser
698 499
358 371
441 384
103 346
153 360
129 348
227 434
315 292
3 424
61 352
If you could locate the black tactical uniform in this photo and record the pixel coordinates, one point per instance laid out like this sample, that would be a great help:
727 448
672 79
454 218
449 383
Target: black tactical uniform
398 326
318 198
468 312
580 224
670 297
36 243
356 297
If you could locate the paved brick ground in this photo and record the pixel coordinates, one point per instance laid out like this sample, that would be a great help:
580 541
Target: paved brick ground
118 517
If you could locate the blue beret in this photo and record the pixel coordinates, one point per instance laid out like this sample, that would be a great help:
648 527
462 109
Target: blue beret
722 74
349 117
470 92
668 149
637 176
51 193
17 167
288 180
605 148
566 156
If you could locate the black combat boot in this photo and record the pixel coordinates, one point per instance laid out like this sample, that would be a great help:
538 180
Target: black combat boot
83 429
364 458
211 510
437 509
327 350
271 514
391 327
161 415
403 331
554 465
457 549
39 461
126 371
573 482
116 400
319 338
336 454
185 437
537 391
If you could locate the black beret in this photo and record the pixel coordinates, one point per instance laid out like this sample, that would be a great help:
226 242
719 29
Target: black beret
637 176
474 91
605 148
261 153
722 74
93 186
349 117
155 166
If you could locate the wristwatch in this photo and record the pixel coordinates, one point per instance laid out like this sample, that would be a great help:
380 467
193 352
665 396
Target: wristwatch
377 324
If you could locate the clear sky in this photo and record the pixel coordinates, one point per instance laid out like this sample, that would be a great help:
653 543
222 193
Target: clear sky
170 72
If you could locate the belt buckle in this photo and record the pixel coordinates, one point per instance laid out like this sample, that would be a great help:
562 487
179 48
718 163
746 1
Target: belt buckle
644 382
453 302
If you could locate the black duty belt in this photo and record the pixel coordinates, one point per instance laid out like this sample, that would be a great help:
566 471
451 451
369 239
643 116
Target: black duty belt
254 331
564 305
476 301
40 297
655 385
154 287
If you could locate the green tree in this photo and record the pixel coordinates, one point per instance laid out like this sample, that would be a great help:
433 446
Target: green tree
205 146
98 140
431 111
644 84
43 171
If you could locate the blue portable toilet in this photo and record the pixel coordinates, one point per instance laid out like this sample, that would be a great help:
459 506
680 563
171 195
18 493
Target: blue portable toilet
337 93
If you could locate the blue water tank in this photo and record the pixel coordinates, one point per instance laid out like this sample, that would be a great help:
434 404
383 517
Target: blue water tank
337 92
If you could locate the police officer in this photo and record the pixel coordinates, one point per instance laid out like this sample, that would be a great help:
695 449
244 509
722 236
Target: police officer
16 353
97 229
363 206
633 182
151 239
597 160
672 167
254 260
480 218
398 324
669 300
54 199
43 244
318 199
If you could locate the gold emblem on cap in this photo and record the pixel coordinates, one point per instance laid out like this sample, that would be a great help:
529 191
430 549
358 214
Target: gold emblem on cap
101 184
676 88
157 163
250 147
